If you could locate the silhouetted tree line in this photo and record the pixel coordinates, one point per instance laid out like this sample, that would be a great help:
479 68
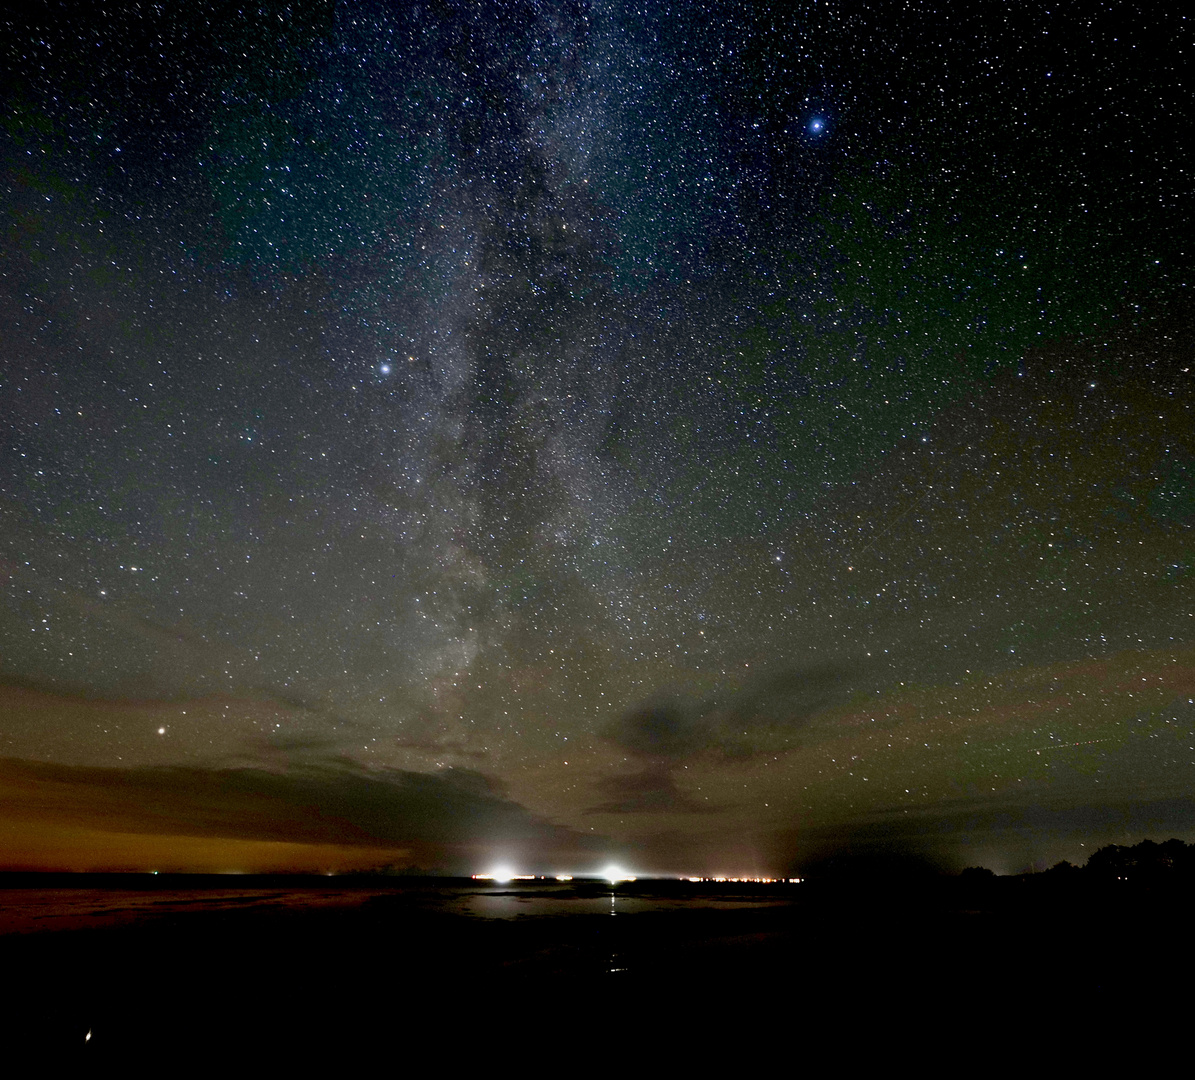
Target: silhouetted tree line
1171 861
1146 861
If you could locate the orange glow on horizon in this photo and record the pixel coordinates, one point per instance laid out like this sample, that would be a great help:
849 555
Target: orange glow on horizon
36 846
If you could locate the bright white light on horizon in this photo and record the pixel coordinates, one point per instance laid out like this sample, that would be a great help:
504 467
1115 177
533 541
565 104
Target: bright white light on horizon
504 876
615 874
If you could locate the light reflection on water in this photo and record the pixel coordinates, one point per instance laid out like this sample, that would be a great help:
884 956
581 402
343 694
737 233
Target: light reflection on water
499 903
26 910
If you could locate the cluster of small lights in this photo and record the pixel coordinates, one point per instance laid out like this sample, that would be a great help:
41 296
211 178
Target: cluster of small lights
614 875
503 879
747 880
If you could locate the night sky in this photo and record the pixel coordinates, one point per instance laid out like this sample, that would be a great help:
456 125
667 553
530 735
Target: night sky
719 437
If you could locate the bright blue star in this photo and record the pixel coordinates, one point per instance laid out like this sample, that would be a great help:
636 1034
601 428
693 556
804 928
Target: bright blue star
816 126
384 369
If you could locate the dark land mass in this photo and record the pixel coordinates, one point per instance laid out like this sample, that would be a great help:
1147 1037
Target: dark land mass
682 973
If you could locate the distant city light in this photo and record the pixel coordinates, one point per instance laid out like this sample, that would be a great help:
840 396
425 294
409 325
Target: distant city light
614 875
503 875
723 880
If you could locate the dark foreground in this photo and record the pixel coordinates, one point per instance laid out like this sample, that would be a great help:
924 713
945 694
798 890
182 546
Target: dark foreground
497 977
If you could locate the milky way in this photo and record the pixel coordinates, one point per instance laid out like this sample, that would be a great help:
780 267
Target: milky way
722 438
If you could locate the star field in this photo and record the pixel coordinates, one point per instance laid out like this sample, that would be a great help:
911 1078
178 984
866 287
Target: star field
721 437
